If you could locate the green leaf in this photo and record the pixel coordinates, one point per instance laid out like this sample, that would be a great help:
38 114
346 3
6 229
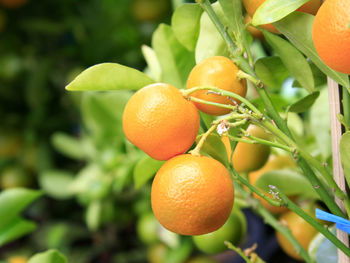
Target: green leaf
288 181
345 152
103 113
273 10
214 147
305 103
294 61
320 78
17 228
109 76
297 27
206 119
13 201
319 124
145 170
56 183
279 102
175 60
50 256
93 215
210 42
68 145
152 62
271 71
185 24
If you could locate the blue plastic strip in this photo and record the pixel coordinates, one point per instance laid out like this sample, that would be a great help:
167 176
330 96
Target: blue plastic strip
340 222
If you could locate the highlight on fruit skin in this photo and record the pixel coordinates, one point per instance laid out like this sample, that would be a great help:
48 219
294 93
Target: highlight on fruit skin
331 34
160 121
192 195
219 72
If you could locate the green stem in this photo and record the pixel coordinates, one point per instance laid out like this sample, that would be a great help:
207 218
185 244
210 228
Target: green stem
346 106
197 149
242 75
212 103
238 251
222 92
320 228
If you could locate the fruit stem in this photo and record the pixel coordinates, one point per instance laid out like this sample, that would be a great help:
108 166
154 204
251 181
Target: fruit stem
242 75
273 222
240 252
254 189
196 151
222 92
212 103
311 221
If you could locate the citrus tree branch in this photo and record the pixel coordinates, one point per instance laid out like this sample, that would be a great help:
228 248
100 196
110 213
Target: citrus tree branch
197 149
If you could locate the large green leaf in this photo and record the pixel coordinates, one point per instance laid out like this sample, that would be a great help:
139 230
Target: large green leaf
294 61
297 27
50 256
56 183
17 228
185 24
13 201
210 42
271 72
109 76
345 152
288 181
145 169
319 124
273 10
175 60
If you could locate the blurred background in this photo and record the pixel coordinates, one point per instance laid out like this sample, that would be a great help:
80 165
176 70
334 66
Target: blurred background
71 145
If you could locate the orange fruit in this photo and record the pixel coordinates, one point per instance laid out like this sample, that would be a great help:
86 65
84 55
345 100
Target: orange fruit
160 121
331 34
13 3
256 33
17 259
192 195
250 157
220 72
251 6
301 230
274 163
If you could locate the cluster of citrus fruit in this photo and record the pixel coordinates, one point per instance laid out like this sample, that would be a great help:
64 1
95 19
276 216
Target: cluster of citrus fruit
191 195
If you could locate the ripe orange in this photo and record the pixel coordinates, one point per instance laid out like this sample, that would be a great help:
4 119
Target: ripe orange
331 34
301 230
13 3
192 195
274 163
218 72
251 6
250 157
160 121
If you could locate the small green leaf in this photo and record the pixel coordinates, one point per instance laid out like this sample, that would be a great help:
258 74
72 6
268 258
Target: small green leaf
345 152
56 183
215 148
68 145
297 27
49 256
273 10
305 103
17 228
145 169
288 181
13 201
175 60
109 76
271 72
210 42
152 62
294 61
185 24
93 215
